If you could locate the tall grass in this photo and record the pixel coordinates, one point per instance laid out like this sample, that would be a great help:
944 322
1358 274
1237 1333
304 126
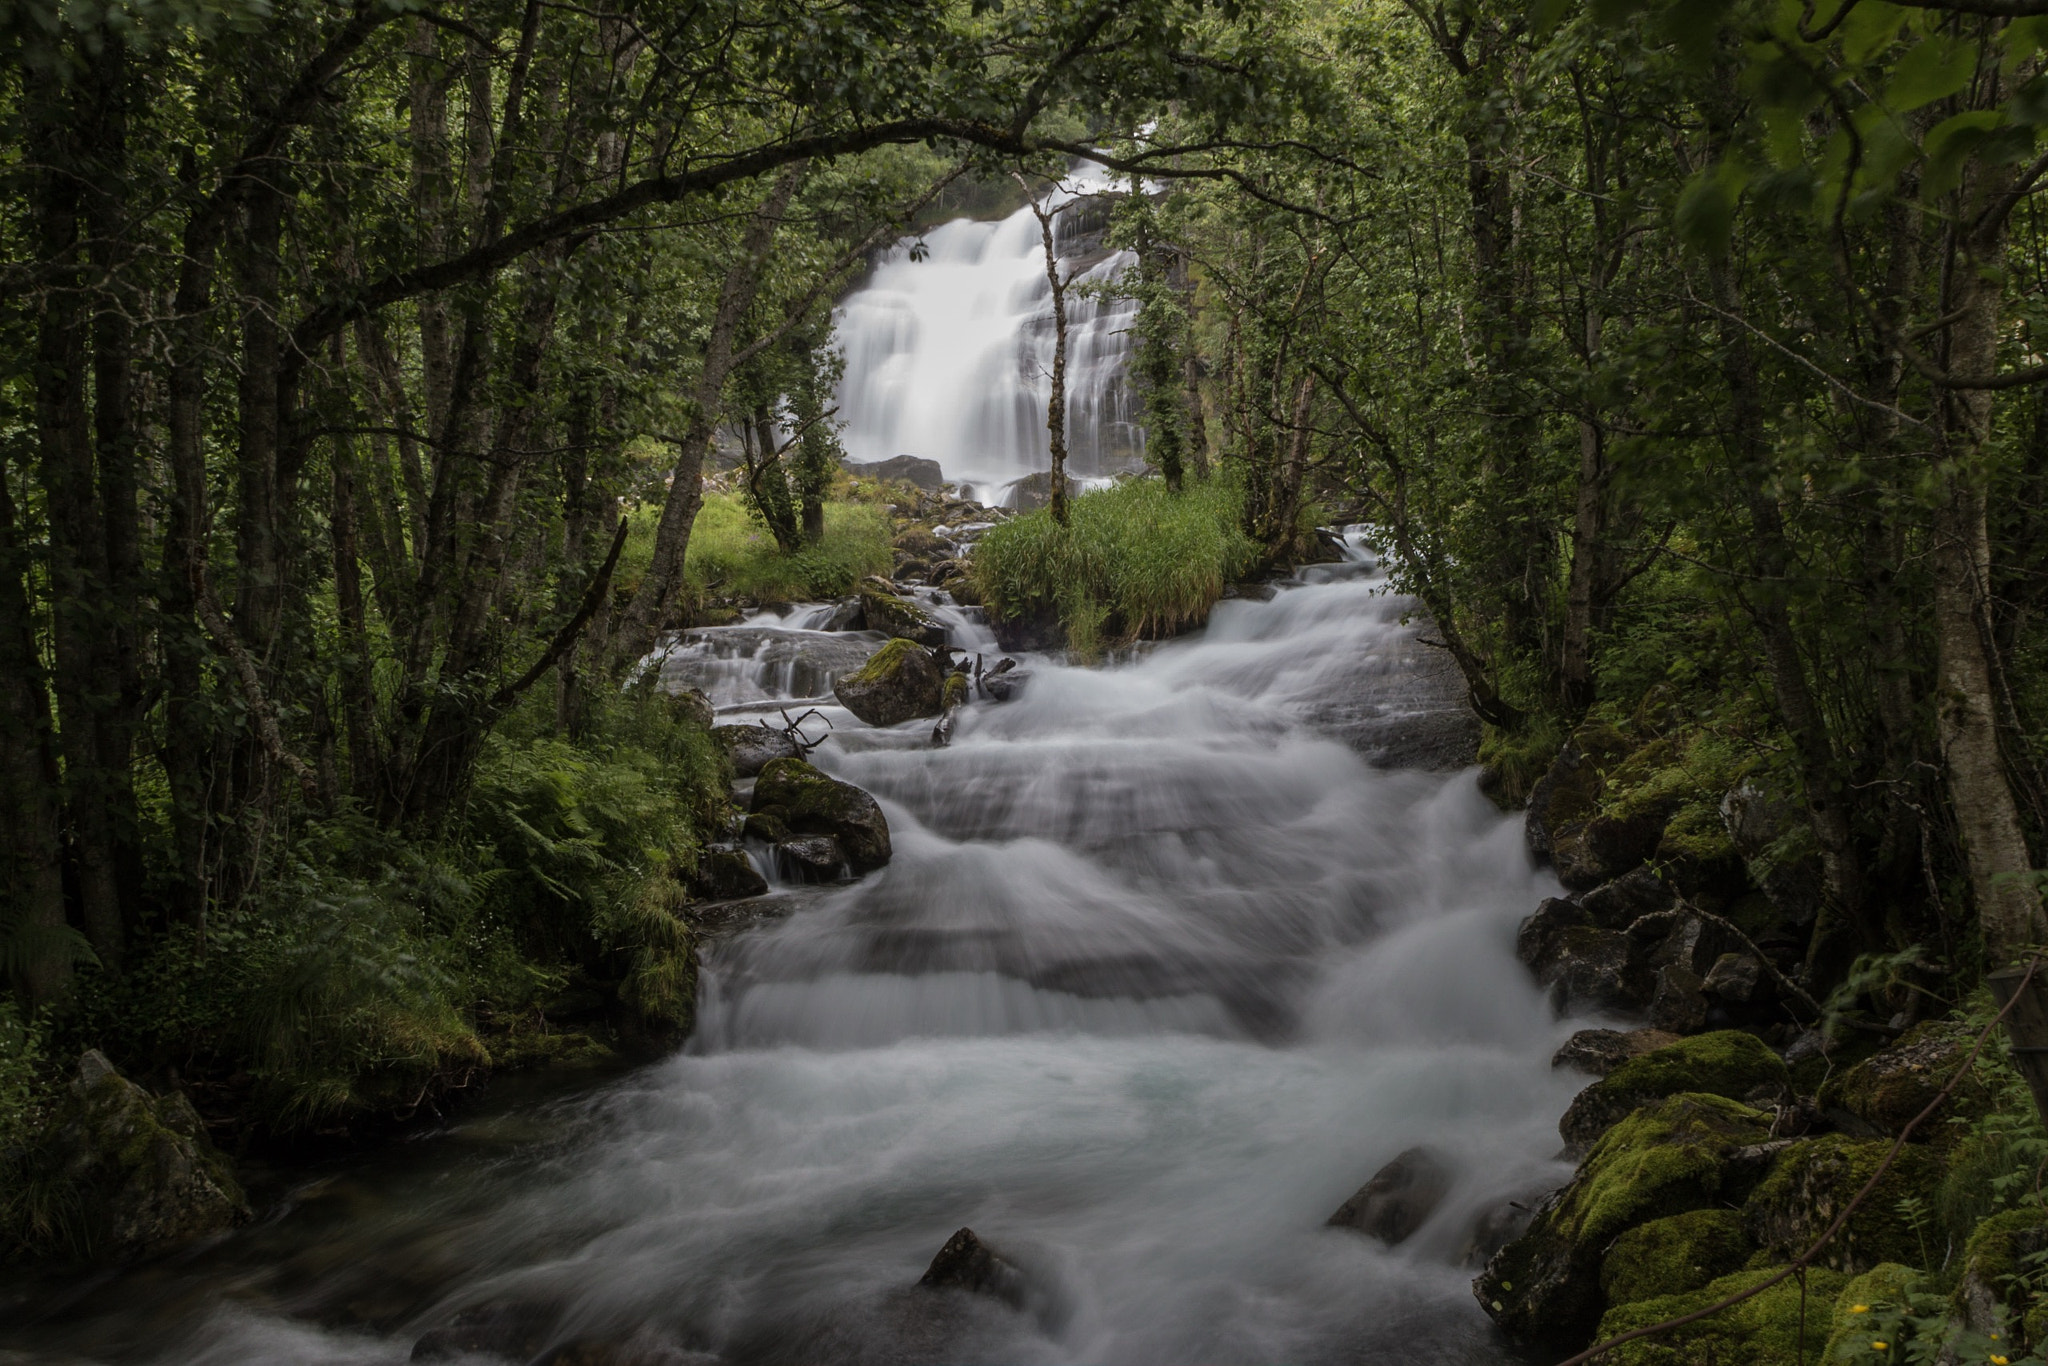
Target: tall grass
1136 562
732 553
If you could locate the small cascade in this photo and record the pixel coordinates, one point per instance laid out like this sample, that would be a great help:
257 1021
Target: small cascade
949 353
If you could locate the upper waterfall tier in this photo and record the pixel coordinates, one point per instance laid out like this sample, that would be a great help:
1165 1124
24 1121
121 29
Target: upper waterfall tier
950 357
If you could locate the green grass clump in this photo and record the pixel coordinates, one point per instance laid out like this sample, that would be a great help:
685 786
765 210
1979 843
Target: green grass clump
732 553
1136 562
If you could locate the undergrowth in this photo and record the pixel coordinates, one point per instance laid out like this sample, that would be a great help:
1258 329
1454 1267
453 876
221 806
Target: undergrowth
733 554
1137 561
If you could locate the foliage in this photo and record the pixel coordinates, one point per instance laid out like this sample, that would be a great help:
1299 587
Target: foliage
733 554
1136 562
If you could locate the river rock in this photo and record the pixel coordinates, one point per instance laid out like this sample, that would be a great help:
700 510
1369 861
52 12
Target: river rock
887 611
899 683
1034 491
153 1178
1736 979
1568 793
1679 1001
1617 904
1675 1254
1498 1225
751 747
847 615
1399 1199
807 802
919 543
967 1263
1662 1159
1600 1051
811 858
1584 967
726 875
1811 1180
1727 1063
1887 1089
910 469
912 570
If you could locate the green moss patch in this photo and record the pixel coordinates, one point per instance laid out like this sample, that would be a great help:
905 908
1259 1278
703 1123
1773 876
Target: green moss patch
1783 1326
1674 1255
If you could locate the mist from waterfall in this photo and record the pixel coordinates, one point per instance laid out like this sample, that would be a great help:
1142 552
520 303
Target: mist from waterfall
949 357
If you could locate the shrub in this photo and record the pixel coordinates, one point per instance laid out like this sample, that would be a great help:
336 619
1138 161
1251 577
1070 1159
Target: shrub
1136 561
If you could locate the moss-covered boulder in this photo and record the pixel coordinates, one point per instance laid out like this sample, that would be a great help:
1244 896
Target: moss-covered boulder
1666 1158
1727 1063
1812 1180
1849 1329
1767 1329
807 802
1568 794
922 542
1890 1087
148 1177
1598 1052
892 614
1994 1292
751 747
900 682
1674 1255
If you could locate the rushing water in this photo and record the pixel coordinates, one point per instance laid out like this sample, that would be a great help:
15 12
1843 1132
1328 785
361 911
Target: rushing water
949 353
1158 976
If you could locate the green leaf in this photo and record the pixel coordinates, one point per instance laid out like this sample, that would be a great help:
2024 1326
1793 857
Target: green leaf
2029 105
2022 39
1784 135
1932 69
1869 30
1705 216
1949 146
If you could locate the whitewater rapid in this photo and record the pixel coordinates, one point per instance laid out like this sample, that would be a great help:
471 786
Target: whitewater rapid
1159 975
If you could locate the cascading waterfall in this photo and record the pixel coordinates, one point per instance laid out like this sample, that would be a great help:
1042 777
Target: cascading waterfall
949 357
1158 976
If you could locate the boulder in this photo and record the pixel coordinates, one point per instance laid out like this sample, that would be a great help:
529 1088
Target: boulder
1768 1329
1888 1284
887 611
1599 1051
1568 794
1541 936
1004 684
899 683
1812 1179
1679 1002
807 802
847 615
751 747
1674 1255
1399 1199
1590 969
811 858
966 1263
963 590
1034 491
919 543
909 469
1604 848
1496 1226
1665 1158
692 706
1736 979
1887 1089
726 875
1775 841
1681 938
151 1177
1617 904
1725 1063
2000 1277
912 570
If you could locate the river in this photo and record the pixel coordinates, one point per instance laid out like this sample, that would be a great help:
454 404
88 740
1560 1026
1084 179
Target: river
1160 973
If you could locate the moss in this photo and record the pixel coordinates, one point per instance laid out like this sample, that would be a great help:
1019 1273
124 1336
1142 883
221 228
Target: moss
1511 762
1696 834
1813 1180
955 692
1764 1330
885 663
2001 1261
808 802
1673 1255
1663 1159
1889 1088
1886 1283
1727 1063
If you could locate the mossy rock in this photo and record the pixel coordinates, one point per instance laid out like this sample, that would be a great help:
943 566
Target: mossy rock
1891 1086
920 542
1727 1062
895 615
1674 1255
954 693
808 802
1991 1292
1666 1158
1764 1330
1814 1179
143 1166
1886 1283
899 683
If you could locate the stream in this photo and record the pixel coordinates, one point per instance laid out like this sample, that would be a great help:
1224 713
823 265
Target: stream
1161 972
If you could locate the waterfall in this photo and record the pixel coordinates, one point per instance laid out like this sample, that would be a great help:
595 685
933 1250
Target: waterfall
949 351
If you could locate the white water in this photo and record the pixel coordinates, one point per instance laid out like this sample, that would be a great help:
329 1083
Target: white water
950 357
1157 978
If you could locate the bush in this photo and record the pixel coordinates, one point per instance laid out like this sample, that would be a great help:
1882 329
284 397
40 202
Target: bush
1136 562
733 554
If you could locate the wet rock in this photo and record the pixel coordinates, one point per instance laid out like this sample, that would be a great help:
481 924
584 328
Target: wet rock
1664 1158
769 829
1620 903
1589 969
751 747
1568 794
808 802
963 590
887 611
1540 937
1679 1003
1727 1063
900 683
1604 848
1811 1182
694 706
919 543
516 1329
152 1178
1497 1226
1005 684
726 875
847 615
1399 1199
1034 491
1681 938
1736 979
1887 1089
1674 1255
811 858
1035 632
966 1263
909 469
912 570
1600 1051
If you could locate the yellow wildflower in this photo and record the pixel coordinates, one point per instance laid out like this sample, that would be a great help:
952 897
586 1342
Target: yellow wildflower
1879 1346
1859 1309
1998 1361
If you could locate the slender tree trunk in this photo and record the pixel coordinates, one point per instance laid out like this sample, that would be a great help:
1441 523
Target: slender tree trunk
1056 405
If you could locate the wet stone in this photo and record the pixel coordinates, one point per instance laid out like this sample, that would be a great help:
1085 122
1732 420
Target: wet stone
967 1263
1399 1199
